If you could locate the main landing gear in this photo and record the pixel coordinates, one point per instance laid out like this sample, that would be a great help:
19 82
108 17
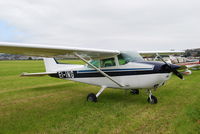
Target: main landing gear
135 91
92 97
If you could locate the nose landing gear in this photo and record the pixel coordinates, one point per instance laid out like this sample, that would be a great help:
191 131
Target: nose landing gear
152 99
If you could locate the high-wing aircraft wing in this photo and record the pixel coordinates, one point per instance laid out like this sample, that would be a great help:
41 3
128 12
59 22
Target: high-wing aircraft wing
54 51
64 51
153 53
58 51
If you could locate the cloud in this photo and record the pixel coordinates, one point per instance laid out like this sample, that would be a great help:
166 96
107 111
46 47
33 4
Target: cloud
111 24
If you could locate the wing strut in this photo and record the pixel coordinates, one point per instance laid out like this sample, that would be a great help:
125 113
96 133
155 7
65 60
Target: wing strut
104 74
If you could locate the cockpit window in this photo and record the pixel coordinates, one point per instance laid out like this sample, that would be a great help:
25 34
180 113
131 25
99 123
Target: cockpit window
108 62
126 57
121 60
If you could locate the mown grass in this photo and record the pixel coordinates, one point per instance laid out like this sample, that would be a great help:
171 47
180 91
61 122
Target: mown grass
47 105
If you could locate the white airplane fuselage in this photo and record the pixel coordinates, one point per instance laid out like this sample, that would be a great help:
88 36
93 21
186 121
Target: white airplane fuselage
133 75
148 81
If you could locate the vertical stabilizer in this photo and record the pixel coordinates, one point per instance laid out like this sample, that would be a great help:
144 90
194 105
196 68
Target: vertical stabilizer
50 64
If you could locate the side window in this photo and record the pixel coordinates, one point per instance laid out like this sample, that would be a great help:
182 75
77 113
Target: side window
108 62
121 60
96 63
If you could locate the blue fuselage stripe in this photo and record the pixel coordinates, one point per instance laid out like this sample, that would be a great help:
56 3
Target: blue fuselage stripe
156 69
115 70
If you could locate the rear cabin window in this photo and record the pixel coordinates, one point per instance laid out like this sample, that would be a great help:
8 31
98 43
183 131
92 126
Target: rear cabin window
108 62
96 63
104 63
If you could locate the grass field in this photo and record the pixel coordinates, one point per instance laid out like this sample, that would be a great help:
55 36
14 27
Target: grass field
46 105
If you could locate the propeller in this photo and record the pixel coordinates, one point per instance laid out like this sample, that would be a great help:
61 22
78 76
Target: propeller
178 74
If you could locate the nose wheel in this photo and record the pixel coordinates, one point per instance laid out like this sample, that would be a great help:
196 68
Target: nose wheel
152 99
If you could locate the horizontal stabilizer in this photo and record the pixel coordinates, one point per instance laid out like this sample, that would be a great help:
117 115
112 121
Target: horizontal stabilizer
38 74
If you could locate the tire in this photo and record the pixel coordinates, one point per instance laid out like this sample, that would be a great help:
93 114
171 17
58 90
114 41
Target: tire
92 97
135 91
153 100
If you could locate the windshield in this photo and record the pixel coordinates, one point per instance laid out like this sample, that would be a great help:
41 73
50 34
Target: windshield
128 56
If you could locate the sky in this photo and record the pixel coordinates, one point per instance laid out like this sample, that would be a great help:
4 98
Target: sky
107 24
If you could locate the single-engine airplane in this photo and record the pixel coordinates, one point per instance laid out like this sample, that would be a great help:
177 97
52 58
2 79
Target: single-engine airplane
104 68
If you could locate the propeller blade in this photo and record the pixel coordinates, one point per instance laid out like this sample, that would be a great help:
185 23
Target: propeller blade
178 74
